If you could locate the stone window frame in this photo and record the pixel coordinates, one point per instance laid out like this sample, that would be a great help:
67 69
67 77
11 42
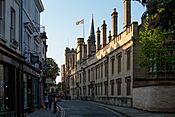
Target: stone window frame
99 71
112 87
128 85
12 25
102 70
96 72
112 59
119 62
80 77
92 74
119 86
80 91
106 88
89 87
84 76
101 88
128 58
106 67
96 86
84 90
98 89
89 75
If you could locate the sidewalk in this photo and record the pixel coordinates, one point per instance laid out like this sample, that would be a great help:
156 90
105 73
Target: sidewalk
43 113
131 112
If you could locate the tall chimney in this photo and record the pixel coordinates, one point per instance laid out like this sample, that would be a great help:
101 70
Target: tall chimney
98 39
104 33
84 51
109 37
80 42
114 22
127 13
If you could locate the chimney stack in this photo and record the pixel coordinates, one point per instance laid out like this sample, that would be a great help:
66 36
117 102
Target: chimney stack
104 33
114 22
80 42
98 39
127 13
109 37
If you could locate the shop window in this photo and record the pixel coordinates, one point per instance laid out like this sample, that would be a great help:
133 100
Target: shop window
25 90
2 88
35 91
7 88
29 92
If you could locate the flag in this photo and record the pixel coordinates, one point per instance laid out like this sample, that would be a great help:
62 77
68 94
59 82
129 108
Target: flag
80 22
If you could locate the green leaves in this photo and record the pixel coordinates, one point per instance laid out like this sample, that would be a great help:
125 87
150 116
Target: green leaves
157 40
51 70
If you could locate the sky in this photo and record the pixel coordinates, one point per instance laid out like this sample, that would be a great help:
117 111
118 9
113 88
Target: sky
60 17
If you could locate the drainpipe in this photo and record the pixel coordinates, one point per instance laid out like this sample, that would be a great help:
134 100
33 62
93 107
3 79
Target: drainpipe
107 59
21 26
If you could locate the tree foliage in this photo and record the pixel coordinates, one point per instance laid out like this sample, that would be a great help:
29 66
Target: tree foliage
51 69
158 38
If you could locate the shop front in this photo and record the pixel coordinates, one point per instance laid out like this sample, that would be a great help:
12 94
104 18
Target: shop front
10 82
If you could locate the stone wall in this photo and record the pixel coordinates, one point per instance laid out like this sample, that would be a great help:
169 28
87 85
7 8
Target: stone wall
155 98
118 101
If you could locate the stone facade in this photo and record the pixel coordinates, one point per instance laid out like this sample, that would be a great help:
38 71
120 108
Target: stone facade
155 98
112 73
22 54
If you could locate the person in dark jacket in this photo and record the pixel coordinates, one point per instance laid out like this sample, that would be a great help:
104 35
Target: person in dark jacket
46 100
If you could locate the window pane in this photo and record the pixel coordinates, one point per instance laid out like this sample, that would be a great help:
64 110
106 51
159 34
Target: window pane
119 63
25 91
2 17
12 25
128 59
1 88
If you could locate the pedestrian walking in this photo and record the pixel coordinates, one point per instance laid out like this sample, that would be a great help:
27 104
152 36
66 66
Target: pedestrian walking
50 100
46 101
55 103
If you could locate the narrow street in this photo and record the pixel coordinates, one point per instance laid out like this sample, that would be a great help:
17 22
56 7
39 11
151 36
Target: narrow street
76 108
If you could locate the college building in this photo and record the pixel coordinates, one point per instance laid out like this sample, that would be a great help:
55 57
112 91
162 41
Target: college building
106 69
22 55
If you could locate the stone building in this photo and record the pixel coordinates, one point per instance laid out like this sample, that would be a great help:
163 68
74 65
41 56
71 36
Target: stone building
107 70
22 53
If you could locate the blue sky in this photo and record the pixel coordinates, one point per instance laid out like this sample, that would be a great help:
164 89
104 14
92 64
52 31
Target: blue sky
60 17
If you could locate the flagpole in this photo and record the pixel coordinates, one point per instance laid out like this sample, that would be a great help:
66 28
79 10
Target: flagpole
84 30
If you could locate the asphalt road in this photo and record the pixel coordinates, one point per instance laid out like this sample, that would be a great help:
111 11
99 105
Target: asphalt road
77 108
